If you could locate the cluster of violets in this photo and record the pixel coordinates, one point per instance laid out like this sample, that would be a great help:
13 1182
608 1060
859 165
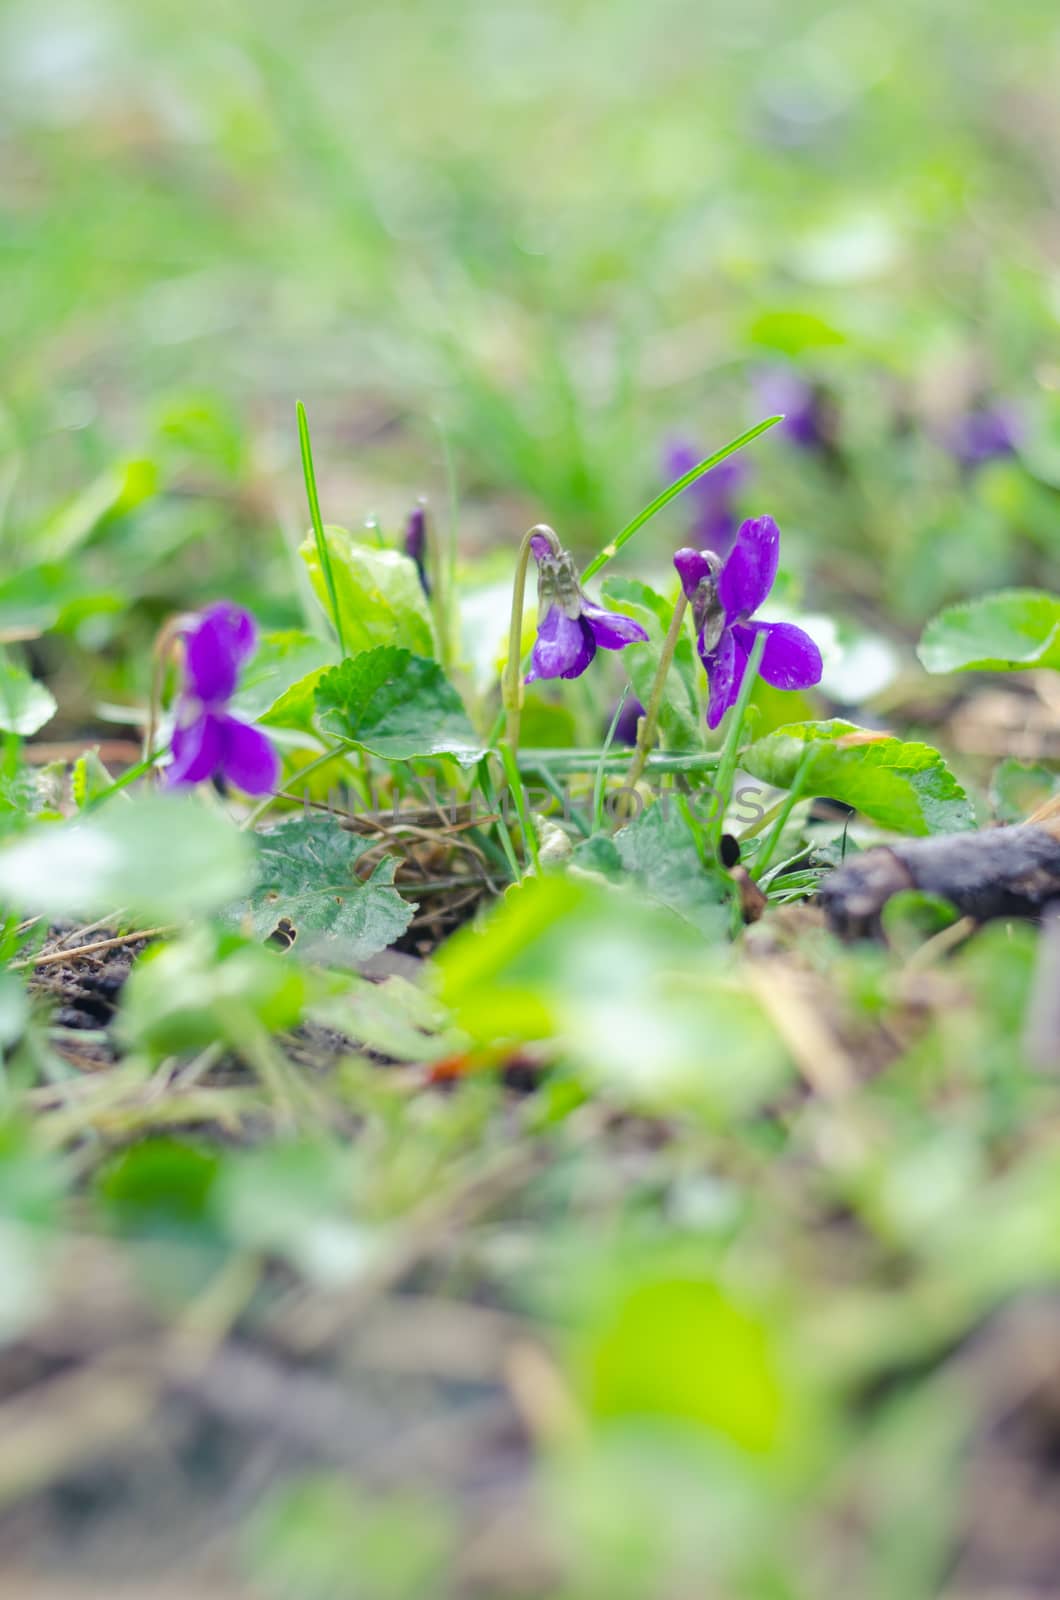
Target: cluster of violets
724 594
726 576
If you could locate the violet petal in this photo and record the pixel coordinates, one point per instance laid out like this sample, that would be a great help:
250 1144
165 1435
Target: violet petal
790 660
197 751
751 568
559 647
692 567
248 760
725 668
215 649
611 630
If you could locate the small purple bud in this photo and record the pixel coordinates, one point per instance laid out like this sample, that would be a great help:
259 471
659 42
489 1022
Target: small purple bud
416 544
628 717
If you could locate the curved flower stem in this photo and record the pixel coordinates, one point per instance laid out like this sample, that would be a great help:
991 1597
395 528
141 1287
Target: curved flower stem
649 721
168 635
511 682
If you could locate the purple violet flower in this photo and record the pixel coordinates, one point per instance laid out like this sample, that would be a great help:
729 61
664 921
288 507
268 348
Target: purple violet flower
724 596
629 716
807 423
416 544
715 519
570 628
208 741
984 435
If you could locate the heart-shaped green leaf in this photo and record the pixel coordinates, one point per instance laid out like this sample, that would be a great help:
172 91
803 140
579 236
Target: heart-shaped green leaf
904 786
396 705
306 878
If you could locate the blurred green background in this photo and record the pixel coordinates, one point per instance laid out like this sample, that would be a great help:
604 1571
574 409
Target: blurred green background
539 239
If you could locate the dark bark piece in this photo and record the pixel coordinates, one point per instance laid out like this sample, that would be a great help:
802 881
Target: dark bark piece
1001 872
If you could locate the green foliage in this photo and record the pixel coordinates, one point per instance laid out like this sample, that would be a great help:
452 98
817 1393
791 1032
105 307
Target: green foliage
900 785
659 851
306 879
396 705
161 856
277 687
621 988
378 591
719 1371
680 718
321 1539
202 989
25 705
1007 632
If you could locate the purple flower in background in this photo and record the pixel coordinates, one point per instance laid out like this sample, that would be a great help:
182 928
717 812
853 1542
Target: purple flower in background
416 544
807 422
984 434
628 717
570 629
715 518
724 596
208 741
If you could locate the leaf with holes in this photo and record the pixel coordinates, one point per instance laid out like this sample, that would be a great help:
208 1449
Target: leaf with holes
396 705
306 879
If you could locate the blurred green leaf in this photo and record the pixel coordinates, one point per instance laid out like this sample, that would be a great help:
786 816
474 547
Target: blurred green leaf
322 1539
118 490
25 705
200 989
1005 632
398 706
380 597
680 1348
163 856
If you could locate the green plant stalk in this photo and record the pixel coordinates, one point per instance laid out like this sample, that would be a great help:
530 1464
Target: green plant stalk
611 550
731 748
485 782
323 553
515 784
791 799
649 722
601 765
512 680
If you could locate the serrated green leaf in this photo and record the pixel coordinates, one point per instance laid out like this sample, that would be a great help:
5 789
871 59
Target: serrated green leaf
396 705
25 705
305 875
904 786
1005 632
679 719
659 851
380 597
165 857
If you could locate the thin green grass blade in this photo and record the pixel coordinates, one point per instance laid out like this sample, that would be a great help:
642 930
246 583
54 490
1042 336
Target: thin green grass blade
675 488
323 554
